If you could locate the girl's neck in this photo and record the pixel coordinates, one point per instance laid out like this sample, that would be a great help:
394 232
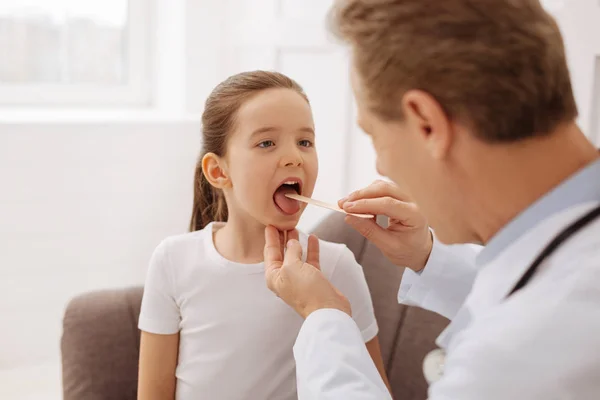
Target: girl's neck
241 241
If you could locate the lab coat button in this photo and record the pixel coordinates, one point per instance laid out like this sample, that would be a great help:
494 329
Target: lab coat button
433 365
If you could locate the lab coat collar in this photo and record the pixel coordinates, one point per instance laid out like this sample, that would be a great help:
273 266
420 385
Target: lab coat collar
496 279
581 187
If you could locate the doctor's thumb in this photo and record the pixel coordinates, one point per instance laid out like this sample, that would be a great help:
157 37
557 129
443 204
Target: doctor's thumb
293 252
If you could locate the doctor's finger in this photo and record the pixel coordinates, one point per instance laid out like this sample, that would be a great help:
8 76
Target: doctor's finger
312 253
272 252
285 236
377 189
388 206
293 253
273 279
371 231
292 235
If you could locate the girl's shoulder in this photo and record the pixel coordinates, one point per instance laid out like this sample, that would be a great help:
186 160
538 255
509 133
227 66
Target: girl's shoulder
183 248
182 241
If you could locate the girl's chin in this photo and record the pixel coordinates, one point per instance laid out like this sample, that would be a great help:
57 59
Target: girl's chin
286 223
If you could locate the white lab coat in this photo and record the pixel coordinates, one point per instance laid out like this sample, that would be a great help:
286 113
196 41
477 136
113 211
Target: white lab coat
541 343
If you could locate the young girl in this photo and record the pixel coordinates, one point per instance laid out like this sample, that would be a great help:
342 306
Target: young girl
211 329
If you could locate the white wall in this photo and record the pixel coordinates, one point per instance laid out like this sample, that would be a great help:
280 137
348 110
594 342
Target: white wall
82 206
86 195
579 21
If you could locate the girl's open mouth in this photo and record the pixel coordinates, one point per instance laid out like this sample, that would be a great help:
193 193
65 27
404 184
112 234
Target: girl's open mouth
284 204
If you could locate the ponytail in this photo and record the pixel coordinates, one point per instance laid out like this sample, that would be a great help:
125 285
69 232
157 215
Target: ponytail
209 203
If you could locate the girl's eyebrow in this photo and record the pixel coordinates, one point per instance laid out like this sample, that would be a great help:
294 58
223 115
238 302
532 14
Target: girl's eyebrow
307 129
266 129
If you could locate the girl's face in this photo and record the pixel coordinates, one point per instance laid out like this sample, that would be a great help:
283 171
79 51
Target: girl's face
273 144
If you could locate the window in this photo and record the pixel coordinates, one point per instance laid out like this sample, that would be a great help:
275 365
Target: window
74 52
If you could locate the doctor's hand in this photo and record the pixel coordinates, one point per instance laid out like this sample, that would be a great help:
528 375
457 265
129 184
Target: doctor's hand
300 284
407 241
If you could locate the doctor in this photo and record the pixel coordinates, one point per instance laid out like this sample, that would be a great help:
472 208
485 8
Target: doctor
471 112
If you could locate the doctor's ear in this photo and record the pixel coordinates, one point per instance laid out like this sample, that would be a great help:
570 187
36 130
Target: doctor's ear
425 116
215 171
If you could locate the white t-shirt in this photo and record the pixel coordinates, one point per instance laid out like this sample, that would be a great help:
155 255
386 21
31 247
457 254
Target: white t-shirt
236 336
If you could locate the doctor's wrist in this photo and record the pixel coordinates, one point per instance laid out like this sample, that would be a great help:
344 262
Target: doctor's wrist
425 254
342 305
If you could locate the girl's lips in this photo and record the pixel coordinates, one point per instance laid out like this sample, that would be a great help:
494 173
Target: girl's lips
291 180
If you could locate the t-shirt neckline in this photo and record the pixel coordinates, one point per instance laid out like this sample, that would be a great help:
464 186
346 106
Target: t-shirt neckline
230 266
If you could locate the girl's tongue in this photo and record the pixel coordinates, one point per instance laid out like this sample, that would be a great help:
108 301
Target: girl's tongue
288 206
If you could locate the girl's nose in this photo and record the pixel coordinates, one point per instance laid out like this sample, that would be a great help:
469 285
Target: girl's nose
292 159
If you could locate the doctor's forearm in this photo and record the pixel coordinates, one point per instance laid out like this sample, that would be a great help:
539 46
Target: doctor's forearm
331 357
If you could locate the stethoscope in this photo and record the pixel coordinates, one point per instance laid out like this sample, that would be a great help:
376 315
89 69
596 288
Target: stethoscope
433 364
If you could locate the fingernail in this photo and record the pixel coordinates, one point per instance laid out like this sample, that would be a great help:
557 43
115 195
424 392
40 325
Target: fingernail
342 200
349 205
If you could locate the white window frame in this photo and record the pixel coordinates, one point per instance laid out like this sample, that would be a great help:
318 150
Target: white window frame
135 92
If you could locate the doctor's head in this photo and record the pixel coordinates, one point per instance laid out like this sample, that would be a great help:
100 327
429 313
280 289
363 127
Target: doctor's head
441 84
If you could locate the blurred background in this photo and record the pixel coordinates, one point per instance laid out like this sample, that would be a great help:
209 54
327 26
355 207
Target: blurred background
100 105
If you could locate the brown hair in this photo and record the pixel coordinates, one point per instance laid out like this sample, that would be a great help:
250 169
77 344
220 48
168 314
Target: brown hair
496 65
218 121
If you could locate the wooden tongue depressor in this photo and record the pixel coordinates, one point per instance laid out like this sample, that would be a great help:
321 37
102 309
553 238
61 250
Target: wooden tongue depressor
318 203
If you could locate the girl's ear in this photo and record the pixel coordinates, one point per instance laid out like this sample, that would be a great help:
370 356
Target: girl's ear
215 172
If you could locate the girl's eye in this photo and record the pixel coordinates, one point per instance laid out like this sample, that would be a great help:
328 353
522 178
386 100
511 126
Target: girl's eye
305 143
266 143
